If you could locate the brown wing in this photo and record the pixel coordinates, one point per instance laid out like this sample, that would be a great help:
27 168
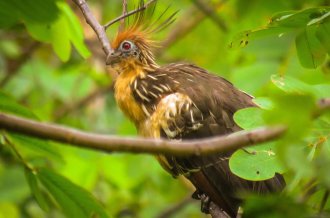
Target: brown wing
185 102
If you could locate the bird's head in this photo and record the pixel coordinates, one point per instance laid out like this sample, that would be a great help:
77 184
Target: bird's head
132 47
134 42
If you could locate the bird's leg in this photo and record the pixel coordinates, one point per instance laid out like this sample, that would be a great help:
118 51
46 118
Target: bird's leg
208 206
205 200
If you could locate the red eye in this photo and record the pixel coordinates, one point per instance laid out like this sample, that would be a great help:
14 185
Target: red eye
126 46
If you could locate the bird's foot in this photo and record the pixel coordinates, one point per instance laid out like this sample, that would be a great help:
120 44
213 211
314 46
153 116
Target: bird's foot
205 201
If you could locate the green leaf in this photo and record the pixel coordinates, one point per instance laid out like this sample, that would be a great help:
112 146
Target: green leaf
75 30
293 86
75 201
243 39
35 190
61 39
249 118
29 11
30 146
61 32
323 34
310 52
298 19
264 103
256 163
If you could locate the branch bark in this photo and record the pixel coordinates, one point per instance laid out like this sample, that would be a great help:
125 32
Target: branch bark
138 145
96 26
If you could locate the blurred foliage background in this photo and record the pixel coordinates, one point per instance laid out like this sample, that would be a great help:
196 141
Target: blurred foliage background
52 69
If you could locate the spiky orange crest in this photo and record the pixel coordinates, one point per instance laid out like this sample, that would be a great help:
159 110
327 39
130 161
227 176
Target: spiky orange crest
141 31
141 38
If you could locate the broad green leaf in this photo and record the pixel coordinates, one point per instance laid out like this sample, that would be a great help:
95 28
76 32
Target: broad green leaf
256 163
310 52
75 201
8 14
28 11
35 147
75 30
249 118
35 190
264 102
323 34
61 32
293 86
243 39
297 19
61 39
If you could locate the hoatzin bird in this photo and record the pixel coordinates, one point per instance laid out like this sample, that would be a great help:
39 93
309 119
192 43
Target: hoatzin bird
182 101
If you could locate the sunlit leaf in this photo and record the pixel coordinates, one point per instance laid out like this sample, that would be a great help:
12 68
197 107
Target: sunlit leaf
291 85
264 102
297 19
76 33
256 163
61 32
75 201
61 39
249 118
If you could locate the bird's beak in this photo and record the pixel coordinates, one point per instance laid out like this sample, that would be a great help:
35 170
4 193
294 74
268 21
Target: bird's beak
113 58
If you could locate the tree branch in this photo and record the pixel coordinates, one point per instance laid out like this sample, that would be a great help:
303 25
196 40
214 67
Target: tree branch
96 26
138 145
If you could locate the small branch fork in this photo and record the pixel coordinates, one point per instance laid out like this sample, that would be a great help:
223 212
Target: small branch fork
98 28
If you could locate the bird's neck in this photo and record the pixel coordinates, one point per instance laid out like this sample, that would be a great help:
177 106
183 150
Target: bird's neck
129 72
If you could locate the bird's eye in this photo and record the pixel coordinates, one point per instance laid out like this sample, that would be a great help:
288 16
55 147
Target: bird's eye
126 46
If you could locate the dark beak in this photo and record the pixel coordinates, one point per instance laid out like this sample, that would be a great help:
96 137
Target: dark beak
113 58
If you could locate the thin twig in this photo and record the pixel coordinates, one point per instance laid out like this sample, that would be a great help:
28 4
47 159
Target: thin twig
139 145
123 16
15 65
211 12
69 108
96 26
